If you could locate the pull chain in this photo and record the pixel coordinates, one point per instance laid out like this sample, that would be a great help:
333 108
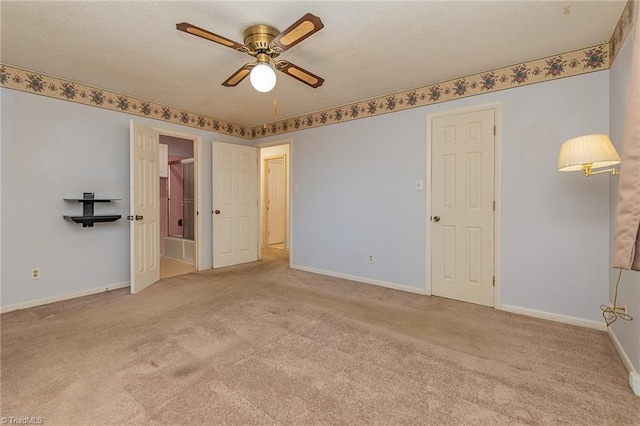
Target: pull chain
275 111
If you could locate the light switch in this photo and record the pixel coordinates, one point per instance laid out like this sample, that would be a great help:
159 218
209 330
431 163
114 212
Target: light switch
295 188
418 184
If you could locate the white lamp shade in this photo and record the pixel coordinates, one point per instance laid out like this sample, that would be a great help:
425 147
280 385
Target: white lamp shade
262 77
596 150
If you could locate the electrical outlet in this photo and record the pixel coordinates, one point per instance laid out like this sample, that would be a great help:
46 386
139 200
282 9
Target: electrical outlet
35 273
619 308
370 258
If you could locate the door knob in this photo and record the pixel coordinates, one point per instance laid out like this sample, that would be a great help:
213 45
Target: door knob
217 212
139 217
435 219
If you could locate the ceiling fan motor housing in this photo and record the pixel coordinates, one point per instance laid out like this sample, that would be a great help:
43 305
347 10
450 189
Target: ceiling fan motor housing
258 37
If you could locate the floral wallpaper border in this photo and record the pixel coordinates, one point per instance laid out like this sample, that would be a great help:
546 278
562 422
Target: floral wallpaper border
579 62
622 28
40 84
569 64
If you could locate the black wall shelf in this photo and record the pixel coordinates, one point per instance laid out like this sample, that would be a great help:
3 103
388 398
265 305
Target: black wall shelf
88 219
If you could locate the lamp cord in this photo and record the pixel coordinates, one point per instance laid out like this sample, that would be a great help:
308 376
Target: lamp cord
611 313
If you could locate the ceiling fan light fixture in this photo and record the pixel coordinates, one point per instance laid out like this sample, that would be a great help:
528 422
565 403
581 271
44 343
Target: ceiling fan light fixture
263 77
265 43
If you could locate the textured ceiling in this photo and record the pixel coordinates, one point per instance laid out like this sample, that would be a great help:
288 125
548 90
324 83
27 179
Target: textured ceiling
366 49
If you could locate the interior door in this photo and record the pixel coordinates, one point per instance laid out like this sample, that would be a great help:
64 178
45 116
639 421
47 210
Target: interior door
235 204
144 206
462 207
276 201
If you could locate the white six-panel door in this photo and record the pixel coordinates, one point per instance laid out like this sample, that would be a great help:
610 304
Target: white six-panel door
462 207
144 206
235 204
276 201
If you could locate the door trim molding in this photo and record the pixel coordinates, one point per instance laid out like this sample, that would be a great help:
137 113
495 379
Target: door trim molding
289 177
497 188
287 141
264 194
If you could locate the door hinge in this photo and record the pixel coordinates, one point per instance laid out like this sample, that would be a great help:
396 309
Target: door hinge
494 280
494 206
494 130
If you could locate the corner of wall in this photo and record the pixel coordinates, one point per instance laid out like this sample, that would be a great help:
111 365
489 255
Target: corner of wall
634 377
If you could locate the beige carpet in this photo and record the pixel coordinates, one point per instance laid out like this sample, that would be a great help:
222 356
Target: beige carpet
262 344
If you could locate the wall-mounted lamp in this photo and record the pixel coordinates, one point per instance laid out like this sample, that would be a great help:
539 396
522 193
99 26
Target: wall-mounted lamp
587 153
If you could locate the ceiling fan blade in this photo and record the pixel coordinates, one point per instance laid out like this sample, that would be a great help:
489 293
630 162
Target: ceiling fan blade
304 27
239 75
300 74
192 29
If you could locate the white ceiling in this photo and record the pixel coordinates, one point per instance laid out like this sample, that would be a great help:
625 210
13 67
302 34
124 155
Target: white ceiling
366 49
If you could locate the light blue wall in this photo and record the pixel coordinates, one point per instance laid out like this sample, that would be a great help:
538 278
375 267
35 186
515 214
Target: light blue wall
53 149
356 197
629 294
555 225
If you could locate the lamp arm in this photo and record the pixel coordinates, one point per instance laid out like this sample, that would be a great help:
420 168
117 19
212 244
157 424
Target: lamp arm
588 172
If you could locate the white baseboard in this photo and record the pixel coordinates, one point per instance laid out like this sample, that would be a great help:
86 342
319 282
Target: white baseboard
623 354
634 382
46 300
598 325
364 280
188 261
634 377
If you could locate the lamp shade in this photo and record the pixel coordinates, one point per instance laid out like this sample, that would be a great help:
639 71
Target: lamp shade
595 150
262 77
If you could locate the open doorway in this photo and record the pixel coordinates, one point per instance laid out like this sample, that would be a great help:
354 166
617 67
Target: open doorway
275 198
177 206
275 210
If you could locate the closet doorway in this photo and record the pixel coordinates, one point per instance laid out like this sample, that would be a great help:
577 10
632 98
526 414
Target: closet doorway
276 205
177 206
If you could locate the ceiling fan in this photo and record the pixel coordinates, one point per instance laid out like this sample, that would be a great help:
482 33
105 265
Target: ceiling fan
265 43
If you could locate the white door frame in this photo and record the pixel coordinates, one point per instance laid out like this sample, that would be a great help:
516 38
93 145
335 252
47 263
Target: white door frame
497 240
197 155
289 168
